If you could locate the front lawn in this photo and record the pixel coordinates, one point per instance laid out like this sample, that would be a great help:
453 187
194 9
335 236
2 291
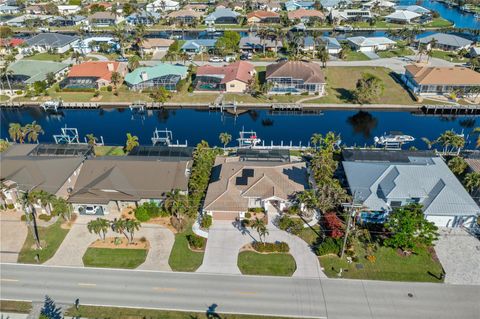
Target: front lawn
356 56
274 264
51 238
310 234
4 98
446 55
341 83
438 23
47 57
182 258
114 257
389 265
400 51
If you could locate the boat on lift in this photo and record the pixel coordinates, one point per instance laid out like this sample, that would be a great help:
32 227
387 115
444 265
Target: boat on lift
138 107
51 105
248 139
393 139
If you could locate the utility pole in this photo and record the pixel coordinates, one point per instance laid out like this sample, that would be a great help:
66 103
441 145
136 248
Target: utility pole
352 207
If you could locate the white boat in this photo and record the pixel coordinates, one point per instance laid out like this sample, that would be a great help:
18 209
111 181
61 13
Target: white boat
248 139
393 139
51 106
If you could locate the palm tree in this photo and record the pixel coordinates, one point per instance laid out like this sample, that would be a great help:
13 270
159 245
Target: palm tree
92 140
115 78
260 227
131 225
175 203
33 130
133 62
331 139
472 181
121 34
26 202
316 140
308 201
477 131
44 198
119 226
93 227
323 56
225 138
132 142
16 133
457 165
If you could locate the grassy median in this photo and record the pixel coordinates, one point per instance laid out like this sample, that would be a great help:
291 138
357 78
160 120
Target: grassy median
274 264
114 257
182 258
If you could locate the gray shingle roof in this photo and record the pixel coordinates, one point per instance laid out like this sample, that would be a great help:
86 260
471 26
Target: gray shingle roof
54 40
446 39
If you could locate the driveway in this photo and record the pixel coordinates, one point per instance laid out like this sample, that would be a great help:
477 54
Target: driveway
13 233
225 241
459 253
78 239
372 55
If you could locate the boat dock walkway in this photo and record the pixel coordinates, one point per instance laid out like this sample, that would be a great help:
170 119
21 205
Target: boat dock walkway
438 110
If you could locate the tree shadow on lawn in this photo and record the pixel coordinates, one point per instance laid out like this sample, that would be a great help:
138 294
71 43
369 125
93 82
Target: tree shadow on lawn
397 79
345 95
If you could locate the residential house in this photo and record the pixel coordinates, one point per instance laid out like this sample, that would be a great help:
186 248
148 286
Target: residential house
403 17
293 5
381 181
474 52
6 9
427 80
445 41
94 44
37 8
328 5
152 45
253 44
163 5
198 45
371 44
6 45
26 72
160 75
197 7
339 15
414 8
473 161
26 169
295 77
68 9
68 21
186 17
233 78
107 6
305 15
237 186
103 19
269 5
144 18
378 4
29 20
93 74
222 16
111 184
332 45
256 17
43 42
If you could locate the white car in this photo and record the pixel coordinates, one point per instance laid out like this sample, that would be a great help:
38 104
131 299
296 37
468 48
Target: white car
215 59
90 210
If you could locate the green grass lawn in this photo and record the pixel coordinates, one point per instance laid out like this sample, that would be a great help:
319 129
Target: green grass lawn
445 55
47 57
114 257
388 266
181 257
310 234
356 56
124 95
438 23
4 98
277 264
130 313
50 237
403 51
15 306
109 151
341 83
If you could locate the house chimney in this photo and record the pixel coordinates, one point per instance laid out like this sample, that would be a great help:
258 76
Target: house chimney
110 67
144 76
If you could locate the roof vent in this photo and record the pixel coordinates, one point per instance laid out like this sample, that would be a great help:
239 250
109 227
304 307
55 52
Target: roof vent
144 76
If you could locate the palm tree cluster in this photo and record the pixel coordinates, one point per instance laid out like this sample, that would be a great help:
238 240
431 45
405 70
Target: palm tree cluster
261 228
126 227
449 140
131 143
29 132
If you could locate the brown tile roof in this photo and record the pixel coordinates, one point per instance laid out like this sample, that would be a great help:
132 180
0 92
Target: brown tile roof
240 70
262 14
474 164
129 178
196 6
309 72
443 75
270 179
102 15
185 13
302 13
156 42
98 69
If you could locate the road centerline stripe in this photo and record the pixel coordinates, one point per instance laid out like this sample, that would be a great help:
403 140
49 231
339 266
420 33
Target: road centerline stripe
164 289
85 284
9 279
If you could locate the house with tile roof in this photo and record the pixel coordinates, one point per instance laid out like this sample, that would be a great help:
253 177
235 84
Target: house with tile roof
93 74
370 44
237 186
260 16
305 15
110 184
445 41
187 17
381 181
152 45
232 78
295 77
26 72
43 42
253 43
161 75
429 80
295 5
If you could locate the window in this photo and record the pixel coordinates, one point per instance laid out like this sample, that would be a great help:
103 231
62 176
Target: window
395 204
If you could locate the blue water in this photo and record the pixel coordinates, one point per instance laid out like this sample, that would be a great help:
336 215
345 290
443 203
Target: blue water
193 125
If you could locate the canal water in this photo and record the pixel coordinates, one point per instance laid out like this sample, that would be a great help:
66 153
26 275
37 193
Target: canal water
355 128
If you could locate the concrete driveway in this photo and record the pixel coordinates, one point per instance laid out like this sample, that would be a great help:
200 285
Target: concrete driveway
78 239
13 233
225 241
459 253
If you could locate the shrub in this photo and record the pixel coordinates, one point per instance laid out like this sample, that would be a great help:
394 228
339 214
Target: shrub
329 246
277 247
291 225
248 215
334 224
109 88
146 211
206 221
245 223
23 218
96 94
11 206
19 92
143 239
256 210
45 217
196 241
142 215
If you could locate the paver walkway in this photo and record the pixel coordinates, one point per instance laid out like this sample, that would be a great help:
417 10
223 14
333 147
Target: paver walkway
78 239
459 253
13 233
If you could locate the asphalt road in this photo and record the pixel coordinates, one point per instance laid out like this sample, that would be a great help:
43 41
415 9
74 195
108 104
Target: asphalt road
296 297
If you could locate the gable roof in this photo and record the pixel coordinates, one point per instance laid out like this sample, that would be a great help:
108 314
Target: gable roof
97 69
374 183
443 75
159 70
186 13
403 15
413 8
261 14
54 40
222 13
240 70
307 71
128 178
149 43
446 39
370 41
254 42
36 70
303 13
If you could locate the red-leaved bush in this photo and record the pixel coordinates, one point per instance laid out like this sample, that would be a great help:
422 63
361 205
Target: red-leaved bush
334 225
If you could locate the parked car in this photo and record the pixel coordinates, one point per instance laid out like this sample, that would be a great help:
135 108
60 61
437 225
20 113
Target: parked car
121 59
88 210
282 59
215 59
230 58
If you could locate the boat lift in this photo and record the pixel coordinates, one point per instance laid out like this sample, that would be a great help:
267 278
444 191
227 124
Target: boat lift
68 136
393 140
165 138
51 106
248 139
138 107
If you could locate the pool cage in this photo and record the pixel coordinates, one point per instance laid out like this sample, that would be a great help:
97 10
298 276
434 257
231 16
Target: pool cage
169 82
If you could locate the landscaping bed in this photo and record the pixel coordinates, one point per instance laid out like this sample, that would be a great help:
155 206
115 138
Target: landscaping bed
119 242
273 264
114 257
51 238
